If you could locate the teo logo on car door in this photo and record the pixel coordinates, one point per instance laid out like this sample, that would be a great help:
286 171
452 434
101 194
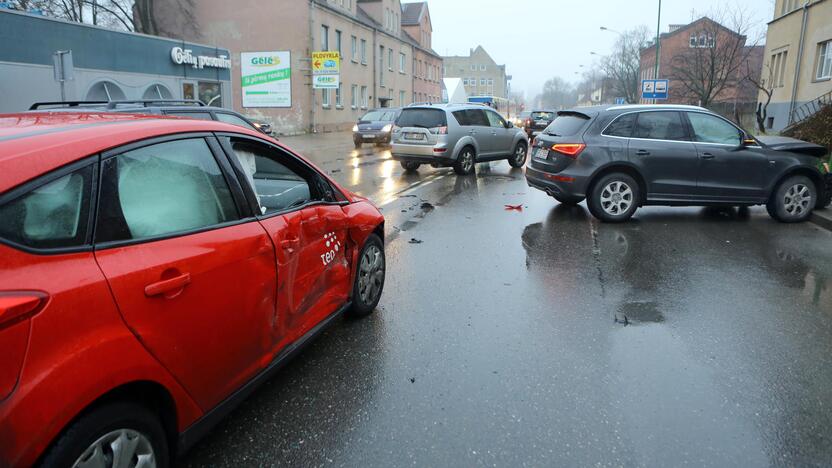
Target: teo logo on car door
306 223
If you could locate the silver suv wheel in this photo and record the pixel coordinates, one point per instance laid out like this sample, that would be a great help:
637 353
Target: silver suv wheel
797 200
616 198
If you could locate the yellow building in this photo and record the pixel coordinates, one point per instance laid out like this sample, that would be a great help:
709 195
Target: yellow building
797 63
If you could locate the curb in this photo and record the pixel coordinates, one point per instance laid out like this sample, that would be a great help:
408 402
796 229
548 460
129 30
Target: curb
822 218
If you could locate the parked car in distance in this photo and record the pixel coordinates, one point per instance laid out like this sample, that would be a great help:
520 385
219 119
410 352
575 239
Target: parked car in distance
456 135
376 126
537 121
153 272
522 119
185 108
619 158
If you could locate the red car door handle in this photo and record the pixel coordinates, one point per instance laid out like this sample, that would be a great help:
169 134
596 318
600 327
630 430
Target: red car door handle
168 285
707 156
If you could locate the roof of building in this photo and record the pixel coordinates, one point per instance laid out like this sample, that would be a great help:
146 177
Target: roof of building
412 13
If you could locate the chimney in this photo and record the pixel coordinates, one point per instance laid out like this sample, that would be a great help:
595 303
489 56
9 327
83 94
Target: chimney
674 27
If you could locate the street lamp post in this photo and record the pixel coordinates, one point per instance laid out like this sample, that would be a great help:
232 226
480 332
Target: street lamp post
658 40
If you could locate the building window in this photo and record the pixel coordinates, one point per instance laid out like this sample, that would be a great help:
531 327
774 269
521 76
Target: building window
482 67
354 48
338 102
325 97
338 41
364 99
354 96
324 37
107 91
402 62
824 60
381 65
364 51
778 69
482 81
473 67
390 59
157 91
465 81
402 96
701 40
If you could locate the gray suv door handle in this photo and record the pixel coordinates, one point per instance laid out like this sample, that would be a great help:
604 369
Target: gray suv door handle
473 132
642 153
707 156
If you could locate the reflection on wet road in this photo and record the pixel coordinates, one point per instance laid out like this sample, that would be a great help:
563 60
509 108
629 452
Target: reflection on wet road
542 337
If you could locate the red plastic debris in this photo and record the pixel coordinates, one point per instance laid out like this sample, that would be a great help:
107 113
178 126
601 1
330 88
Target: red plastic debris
514 207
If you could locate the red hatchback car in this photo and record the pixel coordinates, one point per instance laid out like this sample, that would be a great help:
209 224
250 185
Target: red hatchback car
153 271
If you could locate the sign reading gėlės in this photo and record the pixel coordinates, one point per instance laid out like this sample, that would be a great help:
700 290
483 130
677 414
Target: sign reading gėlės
326 70
266 79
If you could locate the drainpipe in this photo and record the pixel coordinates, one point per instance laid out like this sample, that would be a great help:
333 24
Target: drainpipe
799 59
311 48
375 72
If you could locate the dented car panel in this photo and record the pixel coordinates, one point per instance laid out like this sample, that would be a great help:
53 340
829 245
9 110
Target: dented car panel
202 311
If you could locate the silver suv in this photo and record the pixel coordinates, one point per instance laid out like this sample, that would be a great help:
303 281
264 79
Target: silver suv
456 135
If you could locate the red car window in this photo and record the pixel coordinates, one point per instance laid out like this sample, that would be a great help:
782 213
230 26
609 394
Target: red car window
161 189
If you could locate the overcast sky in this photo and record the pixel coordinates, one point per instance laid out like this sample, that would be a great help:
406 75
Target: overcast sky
538 39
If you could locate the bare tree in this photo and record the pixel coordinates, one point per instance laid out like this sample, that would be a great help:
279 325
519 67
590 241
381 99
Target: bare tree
622 65
765 84
557 94
128 15
717 55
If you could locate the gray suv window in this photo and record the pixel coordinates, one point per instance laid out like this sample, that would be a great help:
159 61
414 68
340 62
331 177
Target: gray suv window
710 129
472 118
233 119
425 118
566 124
622 126
495 120
661 125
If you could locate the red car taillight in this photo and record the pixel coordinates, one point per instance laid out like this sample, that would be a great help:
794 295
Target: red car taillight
439 130
569 149
19 305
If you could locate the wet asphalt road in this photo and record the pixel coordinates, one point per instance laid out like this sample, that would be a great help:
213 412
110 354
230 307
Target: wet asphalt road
688 336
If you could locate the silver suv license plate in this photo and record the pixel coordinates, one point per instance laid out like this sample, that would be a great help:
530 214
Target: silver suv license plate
541 153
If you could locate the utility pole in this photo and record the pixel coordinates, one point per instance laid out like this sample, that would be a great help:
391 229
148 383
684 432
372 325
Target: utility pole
658 43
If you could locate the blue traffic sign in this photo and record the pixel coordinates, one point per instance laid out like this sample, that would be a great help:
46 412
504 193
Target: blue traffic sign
620 100
654 89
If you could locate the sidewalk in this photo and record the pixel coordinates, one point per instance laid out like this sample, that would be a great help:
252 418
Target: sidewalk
822 218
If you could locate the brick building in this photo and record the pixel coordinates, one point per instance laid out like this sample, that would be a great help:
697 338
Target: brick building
687 51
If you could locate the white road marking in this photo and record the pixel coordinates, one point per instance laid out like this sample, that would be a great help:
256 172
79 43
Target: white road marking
412 187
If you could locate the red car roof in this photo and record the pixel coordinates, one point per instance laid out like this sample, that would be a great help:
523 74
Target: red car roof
34 143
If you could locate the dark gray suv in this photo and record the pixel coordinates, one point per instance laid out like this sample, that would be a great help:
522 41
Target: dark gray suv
619 158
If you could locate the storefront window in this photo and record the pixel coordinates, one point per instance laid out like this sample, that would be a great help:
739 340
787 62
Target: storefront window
188 91
210 93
